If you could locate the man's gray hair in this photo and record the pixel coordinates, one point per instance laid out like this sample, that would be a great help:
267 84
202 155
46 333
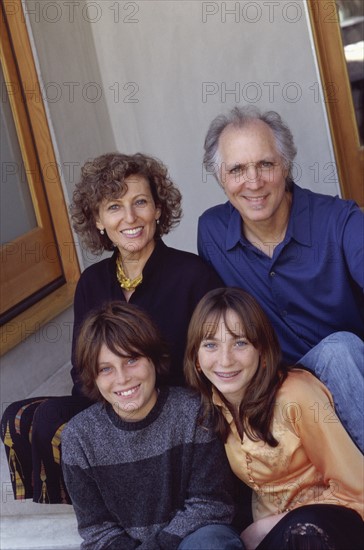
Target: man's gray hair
243 116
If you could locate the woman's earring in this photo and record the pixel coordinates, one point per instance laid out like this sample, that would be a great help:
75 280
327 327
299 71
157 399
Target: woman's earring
198 367
264 364
102 232
158 222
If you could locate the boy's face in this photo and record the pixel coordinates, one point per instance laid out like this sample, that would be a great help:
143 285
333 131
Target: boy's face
127 383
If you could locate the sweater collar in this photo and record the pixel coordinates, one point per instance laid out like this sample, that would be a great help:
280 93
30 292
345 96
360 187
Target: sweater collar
140 424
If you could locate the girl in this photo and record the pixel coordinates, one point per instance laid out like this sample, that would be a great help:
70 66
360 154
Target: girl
281 434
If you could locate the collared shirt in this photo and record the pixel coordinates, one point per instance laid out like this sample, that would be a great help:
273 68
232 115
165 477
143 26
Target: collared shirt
313 284
310 463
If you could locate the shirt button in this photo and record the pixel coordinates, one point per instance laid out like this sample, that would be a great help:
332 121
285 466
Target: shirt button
272 273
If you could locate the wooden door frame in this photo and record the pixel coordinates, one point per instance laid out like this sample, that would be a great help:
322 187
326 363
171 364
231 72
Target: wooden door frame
349 153
32 319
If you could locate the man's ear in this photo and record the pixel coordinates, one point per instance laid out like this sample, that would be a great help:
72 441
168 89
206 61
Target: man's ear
220 176
285 169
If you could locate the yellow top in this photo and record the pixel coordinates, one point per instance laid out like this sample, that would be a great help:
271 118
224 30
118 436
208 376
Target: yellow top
315 461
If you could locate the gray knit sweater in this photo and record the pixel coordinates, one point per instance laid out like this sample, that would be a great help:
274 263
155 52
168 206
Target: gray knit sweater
145 484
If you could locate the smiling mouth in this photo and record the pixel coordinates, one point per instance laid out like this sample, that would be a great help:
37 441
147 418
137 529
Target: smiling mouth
255 199
227 375
127 393
132 232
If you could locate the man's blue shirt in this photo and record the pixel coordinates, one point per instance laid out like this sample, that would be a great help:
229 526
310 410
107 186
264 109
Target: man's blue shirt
313 284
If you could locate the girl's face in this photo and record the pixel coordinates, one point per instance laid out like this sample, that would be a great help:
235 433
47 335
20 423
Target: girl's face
228 359
127 383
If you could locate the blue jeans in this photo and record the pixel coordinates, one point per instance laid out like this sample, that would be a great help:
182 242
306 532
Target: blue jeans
213 537
338 361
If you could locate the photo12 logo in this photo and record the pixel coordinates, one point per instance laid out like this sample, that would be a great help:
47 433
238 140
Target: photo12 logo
253 92
70 11
71 92
252 12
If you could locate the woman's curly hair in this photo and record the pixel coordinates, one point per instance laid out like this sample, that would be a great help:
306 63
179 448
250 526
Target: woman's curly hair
104 178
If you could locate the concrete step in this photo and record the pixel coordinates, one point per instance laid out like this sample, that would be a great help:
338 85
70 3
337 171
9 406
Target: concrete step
25 525
48 532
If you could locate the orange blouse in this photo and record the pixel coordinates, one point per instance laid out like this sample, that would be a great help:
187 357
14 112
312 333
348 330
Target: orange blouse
315 461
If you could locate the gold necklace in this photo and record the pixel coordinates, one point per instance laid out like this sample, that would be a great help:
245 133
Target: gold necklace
124 281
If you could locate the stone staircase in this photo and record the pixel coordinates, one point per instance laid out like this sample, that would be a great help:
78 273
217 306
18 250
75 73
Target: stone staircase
25 525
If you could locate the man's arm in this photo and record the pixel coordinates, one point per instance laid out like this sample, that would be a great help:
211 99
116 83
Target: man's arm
352 237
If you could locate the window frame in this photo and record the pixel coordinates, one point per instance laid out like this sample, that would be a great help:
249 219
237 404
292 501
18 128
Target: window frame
44 310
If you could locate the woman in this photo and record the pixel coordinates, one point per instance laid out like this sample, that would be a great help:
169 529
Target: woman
147 437
281 434
123 204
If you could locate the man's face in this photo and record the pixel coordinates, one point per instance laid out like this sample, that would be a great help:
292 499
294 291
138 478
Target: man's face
252 173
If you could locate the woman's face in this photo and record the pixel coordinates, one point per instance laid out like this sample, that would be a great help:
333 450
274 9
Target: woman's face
130 220
127 383
228 359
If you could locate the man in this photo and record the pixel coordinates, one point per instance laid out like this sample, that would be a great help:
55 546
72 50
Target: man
298 252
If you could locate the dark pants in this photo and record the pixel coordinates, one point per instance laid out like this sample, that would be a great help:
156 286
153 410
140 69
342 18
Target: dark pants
316 527
31 431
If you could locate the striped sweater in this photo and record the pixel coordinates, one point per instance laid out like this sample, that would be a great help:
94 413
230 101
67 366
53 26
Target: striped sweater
145 484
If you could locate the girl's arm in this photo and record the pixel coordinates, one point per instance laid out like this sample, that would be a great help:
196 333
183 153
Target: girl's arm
326 442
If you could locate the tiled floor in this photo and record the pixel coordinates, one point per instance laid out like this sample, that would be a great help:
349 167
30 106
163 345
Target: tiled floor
29 526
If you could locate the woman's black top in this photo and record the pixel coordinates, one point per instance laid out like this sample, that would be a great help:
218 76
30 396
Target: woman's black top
173 283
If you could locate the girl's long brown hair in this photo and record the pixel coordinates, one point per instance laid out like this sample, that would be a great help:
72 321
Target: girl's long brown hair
254 416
